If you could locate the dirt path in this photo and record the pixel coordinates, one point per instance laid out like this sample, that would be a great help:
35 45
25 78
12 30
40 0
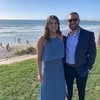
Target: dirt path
16 59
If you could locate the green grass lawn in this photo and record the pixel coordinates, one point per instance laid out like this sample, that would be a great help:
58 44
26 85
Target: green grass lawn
19 81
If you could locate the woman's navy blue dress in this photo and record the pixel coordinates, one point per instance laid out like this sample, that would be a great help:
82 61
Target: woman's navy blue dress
53 87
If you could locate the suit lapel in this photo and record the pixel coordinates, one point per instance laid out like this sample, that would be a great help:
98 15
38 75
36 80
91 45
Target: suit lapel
80 40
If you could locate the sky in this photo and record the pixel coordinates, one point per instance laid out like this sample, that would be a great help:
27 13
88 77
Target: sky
41 9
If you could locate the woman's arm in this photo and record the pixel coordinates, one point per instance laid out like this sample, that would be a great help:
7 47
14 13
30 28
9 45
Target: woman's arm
39 58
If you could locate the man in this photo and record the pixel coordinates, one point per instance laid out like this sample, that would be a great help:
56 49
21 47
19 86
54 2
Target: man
80 53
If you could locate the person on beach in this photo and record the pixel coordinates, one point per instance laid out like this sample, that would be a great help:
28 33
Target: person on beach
8 46
19 40
80 54
50 53
1 45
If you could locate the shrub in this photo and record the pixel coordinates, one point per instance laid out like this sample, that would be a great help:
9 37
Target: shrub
29 50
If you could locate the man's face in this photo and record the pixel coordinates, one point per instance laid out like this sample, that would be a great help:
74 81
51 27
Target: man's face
73 22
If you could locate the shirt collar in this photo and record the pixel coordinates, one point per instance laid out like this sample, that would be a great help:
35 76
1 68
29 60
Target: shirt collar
75 34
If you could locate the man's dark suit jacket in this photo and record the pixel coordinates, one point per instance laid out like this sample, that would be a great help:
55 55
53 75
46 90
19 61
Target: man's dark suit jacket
85 51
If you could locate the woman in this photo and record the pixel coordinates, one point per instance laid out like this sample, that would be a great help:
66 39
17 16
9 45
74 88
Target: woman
50 52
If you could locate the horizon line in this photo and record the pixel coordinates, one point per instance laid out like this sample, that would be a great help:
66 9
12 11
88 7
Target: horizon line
59 19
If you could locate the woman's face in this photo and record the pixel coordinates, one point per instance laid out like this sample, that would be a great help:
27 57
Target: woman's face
53 26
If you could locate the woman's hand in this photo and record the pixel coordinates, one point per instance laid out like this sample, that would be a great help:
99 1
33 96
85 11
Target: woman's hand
40 78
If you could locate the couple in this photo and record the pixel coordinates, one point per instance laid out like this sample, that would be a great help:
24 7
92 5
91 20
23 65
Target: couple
63 58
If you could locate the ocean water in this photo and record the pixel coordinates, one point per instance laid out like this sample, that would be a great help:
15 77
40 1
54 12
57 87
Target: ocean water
14 31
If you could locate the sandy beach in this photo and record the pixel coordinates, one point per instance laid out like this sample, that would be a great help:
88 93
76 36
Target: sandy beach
8 56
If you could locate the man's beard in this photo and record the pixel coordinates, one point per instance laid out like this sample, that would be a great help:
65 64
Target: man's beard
73 28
